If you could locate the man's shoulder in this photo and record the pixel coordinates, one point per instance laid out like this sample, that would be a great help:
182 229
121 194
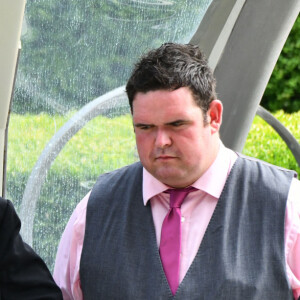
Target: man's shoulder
126 176
135 167
3 207
121 182
10 225
255 162
7 212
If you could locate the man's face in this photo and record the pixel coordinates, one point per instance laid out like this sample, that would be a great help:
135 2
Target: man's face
173 143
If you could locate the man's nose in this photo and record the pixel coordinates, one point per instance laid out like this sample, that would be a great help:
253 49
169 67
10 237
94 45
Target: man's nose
162 139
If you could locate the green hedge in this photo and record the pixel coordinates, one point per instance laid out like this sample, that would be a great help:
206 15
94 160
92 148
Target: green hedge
283 89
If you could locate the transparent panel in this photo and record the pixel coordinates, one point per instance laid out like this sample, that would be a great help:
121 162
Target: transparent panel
72 53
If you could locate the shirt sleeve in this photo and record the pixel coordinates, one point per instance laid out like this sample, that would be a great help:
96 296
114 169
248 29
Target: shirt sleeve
292 237
67 264
23 274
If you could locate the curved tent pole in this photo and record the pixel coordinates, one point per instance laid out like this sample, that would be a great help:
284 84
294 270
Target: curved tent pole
38 175
284 133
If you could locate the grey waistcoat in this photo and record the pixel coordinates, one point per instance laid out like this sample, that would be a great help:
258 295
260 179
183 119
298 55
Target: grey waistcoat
241 255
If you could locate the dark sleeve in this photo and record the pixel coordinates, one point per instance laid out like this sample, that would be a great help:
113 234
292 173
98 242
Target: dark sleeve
23 274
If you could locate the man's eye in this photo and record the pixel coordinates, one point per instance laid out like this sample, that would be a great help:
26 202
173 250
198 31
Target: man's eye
144 127
177 123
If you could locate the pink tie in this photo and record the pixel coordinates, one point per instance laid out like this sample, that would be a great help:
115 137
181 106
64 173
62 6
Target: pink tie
170 241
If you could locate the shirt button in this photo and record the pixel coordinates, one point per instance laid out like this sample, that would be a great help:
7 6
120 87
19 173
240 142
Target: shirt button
182 219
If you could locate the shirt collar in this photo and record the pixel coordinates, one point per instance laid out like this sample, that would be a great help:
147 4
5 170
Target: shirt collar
211 182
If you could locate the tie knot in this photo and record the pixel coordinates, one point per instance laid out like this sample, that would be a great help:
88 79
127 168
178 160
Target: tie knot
177 195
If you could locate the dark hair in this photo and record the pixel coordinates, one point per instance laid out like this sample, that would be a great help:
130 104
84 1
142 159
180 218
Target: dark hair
172 66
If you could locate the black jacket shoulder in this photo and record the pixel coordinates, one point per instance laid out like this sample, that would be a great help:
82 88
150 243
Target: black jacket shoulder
23 274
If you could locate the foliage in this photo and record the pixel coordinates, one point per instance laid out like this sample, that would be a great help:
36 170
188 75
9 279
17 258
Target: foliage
74 51
264 143
283 89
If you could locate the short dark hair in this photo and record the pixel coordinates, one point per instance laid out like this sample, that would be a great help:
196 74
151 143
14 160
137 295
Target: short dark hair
172 66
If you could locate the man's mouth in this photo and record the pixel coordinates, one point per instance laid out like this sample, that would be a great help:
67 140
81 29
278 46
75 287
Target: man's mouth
165 157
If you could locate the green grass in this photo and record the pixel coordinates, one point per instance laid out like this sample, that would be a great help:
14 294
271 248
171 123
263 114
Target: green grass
264 143
108 142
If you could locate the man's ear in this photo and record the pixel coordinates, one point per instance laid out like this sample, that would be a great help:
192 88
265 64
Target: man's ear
215 115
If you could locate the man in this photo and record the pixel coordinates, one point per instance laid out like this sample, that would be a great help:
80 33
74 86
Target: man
23 274
236 235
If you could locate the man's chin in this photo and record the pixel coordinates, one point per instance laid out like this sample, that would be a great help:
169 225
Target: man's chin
170 177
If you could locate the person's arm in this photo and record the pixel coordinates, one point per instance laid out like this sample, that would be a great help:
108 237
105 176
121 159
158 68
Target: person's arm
292 234
67 264
23 274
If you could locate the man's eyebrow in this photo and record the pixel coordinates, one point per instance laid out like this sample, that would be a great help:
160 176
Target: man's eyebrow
181 121
178 121
142 125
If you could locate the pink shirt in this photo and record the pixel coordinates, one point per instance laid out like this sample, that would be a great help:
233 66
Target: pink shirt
196 209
